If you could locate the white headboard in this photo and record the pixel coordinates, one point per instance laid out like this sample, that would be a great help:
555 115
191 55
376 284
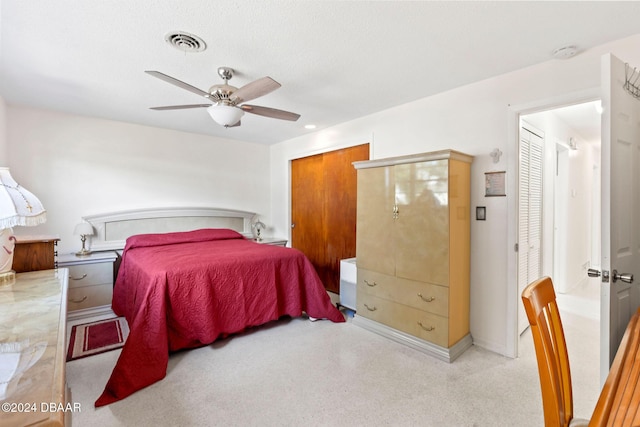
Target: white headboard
113 229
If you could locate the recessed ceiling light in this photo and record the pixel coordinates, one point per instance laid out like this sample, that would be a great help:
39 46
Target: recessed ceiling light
309 126
565 52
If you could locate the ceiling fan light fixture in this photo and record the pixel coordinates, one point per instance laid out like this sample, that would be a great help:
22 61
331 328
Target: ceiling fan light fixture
225 115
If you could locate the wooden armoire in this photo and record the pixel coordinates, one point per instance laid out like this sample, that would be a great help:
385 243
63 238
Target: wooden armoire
413 250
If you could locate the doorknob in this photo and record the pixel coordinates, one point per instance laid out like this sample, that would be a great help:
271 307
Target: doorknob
625 277
293 225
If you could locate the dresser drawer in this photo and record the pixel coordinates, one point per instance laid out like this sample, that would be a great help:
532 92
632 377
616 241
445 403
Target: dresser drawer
430 327
420 295
89 296
90 274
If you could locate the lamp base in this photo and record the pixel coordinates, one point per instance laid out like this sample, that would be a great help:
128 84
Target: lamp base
83 252
7 277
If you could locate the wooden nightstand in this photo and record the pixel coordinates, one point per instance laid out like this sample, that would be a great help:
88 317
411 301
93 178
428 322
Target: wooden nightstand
90 283
272 241
34 253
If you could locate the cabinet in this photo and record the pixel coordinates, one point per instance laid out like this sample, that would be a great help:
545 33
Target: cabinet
33 334
413 250
90 282
34 253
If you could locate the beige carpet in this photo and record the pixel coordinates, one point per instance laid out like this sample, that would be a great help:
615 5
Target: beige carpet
297 372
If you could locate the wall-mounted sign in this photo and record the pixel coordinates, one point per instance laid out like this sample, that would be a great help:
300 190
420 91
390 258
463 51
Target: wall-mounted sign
494 184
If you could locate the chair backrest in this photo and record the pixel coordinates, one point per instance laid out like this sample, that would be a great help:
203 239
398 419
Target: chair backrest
539 300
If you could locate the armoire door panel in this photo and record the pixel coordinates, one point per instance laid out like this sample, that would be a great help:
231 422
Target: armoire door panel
376 191
422 210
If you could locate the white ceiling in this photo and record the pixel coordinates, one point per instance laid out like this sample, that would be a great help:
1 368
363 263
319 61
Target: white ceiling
336 60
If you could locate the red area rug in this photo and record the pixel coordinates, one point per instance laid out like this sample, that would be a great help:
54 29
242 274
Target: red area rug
97 337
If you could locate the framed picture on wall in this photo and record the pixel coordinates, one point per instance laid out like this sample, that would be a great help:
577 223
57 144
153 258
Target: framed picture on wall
494 184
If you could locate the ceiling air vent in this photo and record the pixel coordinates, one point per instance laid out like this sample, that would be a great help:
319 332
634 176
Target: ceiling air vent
185 42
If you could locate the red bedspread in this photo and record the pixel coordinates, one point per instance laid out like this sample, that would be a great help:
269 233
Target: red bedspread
184 290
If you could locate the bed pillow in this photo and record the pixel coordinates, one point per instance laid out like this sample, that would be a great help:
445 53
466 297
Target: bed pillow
161 239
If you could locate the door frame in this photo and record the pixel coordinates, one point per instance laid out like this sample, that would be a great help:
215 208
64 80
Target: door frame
513 128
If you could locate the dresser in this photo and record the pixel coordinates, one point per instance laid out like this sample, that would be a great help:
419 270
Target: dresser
413 250
33 253
91 281
33 388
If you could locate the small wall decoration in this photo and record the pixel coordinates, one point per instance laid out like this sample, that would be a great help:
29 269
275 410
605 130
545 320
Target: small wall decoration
481 213
494 184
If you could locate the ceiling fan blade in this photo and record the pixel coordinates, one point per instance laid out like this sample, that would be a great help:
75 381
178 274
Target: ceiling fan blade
270 112
256 89
180 107
178 83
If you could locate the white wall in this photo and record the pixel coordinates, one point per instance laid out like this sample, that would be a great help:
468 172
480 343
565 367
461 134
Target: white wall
473 119
3 133
80 166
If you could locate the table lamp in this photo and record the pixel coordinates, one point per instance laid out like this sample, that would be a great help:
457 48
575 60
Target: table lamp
258 226
18 207
83 230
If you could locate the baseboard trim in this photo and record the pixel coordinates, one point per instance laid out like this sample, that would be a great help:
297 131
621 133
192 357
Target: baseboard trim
90 312
442 353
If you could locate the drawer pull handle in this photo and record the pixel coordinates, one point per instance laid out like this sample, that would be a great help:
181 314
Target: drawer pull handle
368 283
78 301
427 299
426 328
370 308
79 278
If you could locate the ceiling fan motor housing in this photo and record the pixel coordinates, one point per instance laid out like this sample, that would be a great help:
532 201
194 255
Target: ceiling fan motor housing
223 94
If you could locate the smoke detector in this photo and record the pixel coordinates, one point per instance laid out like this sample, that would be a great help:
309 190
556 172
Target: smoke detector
565 52
185 42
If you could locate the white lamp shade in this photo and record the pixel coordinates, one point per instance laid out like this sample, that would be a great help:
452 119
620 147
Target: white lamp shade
225 115
83 229
18 206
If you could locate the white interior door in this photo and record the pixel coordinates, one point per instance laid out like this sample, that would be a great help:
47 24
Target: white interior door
529 214
620 207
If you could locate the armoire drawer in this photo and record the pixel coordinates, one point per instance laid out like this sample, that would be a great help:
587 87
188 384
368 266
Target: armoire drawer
420 295
90 274
89 296
428 326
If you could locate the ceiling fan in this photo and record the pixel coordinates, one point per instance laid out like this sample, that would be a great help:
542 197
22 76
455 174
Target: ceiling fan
228 101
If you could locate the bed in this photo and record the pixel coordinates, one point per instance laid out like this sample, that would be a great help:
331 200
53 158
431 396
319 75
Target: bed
185 289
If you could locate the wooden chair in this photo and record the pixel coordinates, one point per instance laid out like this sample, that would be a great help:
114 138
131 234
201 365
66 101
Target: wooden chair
539 300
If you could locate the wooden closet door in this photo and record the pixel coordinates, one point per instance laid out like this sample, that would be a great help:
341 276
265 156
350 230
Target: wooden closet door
323 209
307 233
